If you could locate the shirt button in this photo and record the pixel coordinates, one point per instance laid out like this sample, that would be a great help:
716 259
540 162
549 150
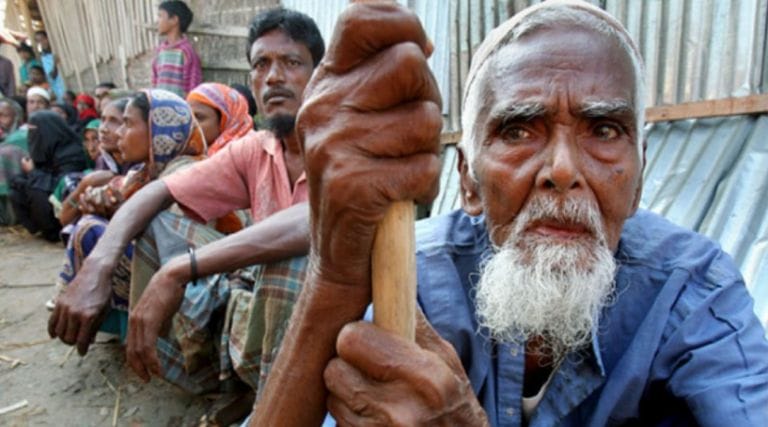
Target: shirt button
511 412
513 351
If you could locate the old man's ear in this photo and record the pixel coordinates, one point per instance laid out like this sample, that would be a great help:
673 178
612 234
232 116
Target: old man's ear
470 197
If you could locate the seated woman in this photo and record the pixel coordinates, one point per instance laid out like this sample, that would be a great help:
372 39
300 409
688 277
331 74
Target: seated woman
110 158
195 354
222 113
55 150
69 182
108 163
70 204
13 148
160 134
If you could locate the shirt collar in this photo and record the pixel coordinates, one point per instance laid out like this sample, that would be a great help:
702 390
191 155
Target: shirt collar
179 42
271 144
596 350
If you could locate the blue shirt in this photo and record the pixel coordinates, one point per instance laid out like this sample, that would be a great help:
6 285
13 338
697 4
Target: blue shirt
56 84
679 346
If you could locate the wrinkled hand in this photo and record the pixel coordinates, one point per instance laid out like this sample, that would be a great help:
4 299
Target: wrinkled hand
370 126
97 178
149 319
100 201
382 379
79 310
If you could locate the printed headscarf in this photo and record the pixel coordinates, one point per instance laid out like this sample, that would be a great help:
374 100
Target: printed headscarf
173 131
233 108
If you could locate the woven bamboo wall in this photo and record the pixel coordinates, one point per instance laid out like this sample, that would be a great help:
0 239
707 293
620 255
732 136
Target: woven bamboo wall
113 40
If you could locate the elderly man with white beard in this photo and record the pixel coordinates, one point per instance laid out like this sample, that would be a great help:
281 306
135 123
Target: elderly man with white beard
550 299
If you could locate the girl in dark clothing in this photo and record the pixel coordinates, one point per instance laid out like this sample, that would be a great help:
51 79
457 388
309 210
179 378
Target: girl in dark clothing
54 149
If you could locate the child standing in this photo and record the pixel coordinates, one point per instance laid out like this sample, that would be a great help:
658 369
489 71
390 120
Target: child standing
176 66
50 65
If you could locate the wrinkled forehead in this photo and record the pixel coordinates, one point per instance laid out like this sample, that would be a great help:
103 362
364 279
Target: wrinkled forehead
553 59
550 14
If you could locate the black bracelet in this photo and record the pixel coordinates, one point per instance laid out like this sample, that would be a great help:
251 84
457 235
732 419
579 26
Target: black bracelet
192 266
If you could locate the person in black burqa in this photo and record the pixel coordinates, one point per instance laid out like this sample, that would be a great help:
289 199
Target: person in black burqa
54 150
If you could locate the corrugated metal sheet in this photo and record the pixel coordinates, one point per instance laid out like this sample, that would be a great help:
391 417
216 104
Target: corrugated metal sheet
738 214
698 49
711 175
324 13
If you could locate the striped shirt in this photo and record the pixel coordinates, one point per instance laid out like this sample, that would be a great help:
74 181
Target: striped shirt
176 67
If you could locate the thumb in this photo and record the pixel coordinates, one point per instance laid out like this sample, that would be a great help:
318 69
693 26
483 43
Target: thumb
428 339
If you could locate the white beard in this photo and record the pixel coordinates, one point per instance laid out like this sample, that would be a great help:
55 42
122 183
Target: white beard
534 286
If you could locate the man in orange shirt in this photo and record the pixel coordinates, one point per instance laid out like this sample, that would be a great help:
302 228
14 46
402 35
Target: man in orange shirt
263 173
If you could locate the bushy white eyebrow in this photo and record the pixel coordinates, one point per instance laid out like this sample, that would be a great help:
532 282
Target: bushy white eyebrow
518 111
611 108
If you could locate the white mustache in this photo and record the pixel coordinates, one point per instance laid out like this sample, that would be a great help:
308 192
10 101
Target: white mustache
572 211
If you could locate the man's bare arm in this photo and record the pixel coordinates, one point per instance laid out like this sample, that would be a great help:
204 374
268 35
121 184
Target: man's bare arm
279 236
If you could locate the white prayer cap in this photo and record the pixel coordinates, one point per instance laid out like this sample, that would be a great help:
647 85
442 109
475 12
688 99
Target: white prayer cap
37 90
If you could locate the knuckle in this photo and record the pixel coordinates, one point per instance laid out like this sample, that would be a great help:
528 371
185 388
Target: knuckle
441 385
408 56
349 337
432 117
348 19
360 402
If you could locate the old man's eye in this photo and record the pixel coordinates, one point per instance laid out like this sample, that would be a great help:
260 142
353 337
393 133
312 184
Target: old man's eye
607 132
515 133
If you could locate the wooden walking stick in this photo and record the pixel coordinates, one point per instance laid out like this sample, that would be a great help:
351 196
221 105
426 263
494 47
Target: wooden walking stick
393 266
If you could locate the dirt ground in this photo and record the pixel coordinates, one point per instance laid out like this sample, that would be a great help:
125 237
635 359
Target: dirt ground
58 388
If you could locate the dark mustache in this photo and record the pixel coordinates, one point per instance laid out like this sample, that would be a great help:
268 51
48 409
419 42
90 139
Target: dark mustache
278 91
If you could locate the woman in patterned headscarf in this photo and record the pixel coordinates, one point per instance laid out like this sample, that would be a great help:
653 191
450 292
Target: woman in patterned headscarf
222 113
160 132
